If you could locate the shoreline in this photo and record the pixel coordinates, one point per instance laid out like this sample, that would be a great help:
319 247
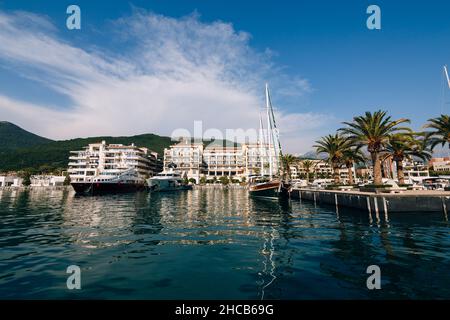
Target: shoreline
35 188
218 187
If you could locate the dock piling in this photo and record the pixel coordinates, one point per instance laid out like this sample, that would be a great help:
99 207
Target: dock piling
368 205
375 204
336 202
444 207
386 218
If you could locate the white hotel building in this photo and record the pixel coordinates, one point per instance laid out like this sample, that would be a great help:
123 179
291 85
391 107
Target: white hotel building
187 157
101 159
195 160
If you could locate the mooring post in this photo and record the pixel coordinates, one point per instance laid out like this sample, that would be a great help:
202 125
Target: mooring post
385 210
336 201
375 203
444 207
370 210
368 205
314 197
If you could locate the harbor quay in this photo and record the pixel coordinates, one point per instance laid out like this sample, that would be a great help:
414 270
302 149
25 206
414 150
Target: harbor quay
407 202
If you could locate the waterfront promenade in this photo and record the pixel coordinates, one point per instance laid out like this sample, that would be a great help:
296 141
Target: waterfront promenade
407 201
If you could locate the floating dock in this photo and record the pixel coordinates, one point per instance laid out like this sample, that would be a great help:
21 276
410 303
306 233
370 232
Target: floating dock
408 201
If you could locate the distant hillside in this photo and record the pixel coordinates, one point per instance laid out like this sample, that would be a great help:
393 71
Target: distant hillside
12 137
20 149
312 155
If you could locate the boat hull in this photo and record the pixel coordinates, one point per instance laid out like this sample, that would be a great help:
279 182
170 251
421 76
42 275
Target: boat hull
167 184
274 190
155 188
105 188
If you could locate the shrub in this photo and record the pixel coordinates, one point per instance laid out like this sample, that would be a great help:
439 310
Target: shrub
26 179
67 180
224 180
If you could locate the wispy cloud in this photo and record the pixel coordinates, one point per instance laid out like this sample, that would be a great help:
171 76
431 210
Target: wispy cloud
164 74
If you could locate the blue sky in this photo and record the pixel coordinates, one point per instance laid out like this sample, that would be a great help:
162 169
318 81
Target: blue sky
324 66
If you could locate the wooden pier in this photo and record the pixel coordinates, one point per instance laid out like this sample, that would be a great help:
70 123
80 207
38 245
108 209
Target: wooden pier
408 201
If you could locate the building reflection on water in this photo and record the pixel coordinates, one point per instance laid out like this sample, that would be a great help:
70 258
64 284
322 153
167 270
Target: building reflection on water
284 249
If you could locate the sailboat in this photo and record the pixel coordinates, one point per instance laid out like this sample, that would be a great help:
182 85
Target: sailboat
273 185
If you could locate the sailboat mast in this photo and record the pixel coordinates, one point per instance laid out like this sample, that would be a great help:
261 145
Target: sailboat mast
446 75
262 143
275 134
269 132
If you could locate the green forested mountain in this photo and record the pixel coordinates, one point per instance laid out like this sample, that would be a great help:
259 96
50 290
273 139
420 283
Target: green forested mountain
12 137
20 149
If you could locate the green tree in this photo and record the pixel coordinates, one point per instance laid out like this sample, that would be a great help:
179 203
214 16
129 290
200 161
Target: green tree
26 178
307 165
440 133
334 147
352 155
402 146
373 131
288 161
67 179
203 180
185 178
224 180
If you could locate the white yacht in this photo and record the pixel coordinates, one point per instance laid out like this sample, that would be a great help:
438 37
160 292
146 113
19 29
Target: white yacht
125 181
110 168
167 181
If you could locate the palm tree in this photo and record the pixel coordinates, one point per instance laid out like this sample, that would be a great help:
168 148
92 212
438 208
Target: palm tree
373 130
334 146
402 146
288 161
351 156
308 165
441 133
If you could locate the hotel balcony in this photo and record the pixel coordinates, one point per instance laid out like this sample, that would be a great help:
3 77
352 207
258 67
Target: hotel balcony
77 158
77 163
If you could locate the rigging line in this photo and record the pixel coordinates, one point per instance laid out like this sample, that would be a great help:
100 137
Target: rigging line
269 132
275 133
445 81
446 76
442 91
277 136
262 144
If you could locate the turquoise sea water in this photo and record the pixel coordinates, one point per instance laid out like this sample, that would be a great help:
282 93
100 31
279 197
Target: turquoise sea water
213 244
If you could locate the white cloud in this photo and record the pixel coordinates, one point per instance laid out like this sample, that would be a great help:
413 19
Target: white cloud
169 72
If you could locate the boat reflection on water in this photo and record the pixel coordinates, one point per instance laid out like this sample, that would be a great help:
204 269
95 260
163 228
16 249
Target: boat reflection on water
213 244
270 215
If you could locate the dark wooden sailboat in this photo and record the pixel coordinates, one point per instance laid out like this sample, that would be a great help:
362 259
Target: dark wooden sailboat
275 185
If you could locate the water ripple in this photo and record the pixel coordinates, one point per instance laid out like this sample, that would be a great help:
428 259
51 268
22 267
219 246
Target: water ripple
213 244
